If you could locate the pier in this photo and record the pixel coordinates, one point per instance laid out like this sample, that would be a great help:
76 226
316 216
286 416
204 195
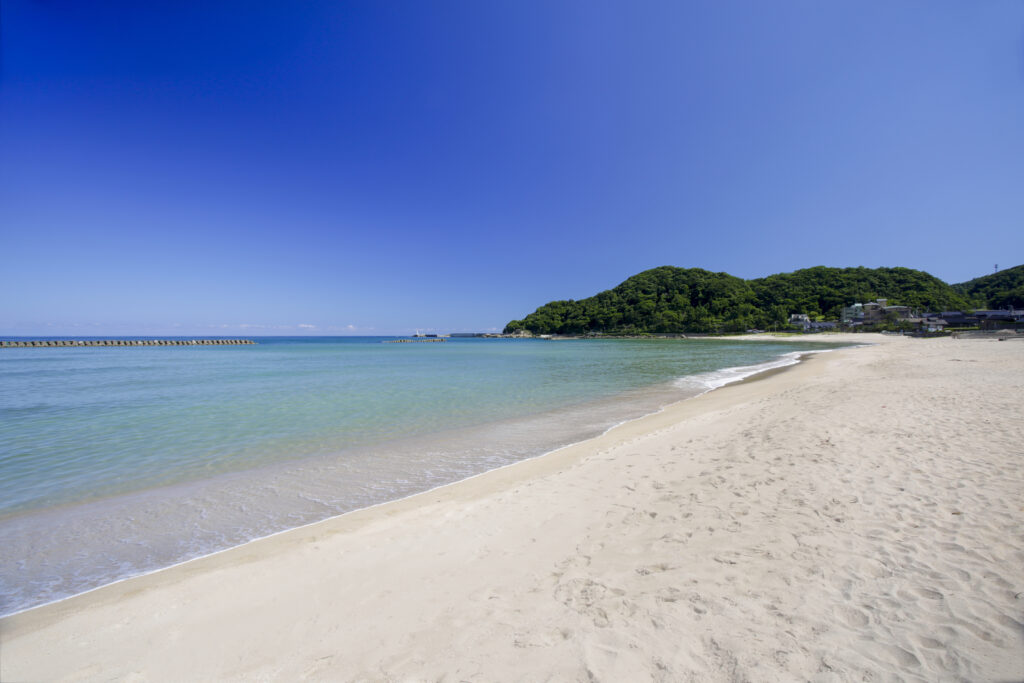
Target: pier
123 342
413 341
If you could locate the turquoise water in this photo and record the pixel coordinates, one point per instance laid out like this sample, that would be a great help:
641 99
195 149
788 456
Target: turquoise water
117 461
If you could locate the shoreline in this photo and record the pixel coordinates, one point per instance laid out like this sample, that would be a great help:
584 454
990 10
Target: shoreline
753 376
460 578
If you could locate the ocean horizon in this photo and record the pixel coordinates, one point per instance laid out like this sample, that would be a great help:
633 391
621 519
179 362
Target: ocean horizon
117 462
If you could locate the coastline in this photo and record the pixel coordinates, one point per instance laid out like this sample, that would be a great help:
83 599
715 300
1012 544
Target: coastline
534 555
45 608
113 538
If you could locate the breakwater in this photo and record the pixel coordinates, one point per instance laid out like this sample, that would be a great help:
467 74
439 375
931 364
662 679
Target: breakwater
123 342
412 341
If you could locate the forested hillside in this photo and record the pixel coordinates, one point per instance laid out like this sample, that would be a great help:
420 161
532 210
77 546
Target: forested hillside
669 299
664 299
999 290
822 291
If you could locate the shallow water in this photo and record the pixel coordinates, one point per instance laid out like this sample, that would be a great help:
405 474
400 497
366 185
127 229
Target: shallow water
118 461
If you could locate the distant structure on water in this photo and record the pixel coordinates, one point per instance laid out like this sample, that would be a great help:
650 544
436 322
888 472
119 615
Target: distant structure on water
122 342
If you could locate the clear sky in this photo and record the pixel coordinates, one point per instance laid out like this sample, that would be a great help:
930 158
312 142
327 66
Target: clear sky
377 167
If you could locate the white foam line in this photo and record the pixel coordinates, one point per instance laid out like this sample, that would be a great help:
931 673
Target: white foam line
720 378
792 358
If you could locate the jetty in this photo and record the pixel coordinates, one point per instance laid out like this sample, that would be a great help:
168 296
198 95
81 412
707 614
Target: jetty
414 341
20 344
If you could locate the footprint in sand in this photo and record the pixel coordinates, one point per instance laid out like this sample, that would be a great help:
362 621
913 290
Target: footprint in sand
899 656
961 574
930 643
852 617
582 595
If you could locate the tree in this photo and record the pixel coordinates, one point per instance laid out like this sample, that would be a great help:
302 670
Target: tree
669 299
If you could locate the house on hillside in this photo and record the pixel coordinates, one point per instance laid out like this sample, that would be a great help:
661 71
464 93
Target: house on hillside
867 313
874 311
956 318
803 322
852 314
927 324
900 312
1000 320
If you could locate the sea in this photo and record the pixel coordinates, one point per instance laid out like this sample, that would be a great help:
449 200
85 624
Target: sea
119 461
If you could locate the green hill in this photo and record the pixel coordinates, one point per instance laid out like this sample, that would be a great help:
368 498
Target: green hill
670 299
999 290
822 291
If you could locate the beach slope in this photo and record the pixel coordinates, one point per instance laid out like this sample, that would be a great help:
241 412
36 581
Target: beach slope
859 516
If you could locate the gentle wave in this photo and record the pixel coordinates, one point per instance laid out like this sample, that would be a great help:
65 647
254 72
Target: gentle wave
716 379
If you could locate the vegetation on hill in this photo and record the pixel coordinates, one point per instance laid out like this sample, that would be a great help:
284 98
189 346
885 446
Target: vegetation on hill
669 299
822 292
664 299
999 290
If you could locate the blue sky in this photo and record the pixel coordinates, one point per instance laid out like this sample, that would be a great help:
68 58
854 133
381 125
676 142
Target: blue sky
378 167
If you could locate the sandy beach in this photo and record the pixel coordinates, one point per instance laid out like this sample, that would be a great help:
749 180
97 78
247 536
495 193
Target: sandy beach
859 516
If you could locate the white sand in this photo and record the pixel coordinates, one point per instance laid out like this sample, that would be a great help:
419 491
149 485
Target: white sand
857 517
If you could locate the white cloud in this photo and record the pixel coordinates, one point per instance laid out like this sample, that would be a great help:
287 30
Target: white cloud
307 326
